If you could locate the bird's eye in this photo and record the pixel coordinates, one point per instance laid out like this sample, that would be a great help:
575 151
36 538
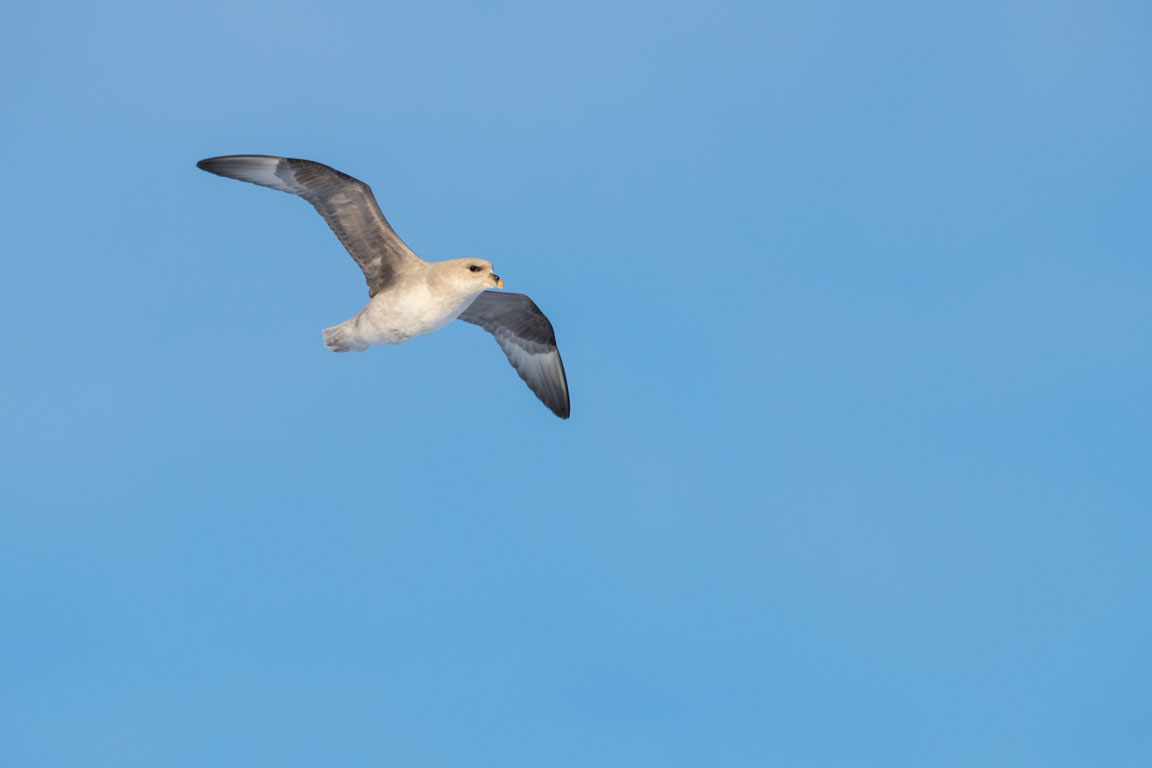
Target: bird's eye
473 268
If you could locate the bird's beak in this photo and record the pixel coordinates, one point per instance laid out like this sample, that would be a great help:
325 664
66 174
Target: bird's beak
499 282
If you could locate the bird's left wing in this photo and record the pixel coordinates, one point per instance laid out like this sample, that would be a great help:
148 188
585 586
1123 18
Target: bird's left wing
347 204
528 340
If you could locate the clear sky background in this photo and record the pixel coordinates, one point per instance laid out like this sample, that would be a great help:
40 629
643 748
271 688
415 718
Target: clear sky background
854 302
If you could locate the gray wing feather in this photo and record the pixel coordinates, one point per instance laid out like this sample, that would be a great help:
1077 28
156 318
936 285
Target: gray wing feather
347 204
528 340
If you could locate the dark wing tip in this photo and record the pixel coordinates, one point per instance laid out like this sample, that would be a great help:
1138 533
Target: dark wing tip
210 164
561 406
216 165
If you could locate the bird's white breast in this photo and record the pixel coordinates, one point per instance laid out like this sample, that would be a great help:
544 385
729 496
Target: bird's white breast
396 316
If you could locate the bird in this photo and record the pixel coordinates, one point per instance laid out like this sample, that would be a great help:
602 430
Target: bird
407 296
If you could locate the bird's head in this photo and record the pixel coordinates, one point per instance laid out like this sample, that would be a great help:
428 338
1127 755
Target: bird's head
480 272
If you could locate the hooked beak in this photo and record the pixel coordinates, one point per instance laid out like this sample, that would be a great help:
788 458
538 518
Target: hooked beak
496 277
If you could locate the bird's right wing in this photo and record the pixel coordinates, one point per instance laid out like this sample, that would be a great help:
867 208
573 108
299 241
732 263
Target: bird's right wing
528 340
347 204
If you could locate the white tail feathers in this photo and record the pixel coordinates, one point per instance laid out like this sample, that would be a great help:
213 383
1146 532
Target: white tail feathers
338 338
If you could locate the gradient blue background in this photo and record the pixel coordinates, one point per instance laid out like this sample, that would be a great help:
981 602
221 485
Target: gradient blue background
854 301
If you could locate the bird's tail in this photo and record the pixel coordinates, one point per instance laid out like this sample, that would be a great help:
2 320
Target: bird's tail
339 338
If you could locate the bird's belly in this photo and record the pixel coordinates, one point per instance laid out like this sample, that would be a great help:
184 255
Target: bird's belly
398 318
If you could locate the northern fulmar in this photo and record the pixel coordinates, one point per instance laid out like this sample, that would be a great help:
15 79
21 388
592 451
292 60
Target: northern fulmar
410 297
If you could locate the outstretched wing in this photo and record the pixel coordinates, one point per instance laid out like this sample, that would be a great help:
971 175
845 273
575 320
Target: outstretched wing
345 203
528 340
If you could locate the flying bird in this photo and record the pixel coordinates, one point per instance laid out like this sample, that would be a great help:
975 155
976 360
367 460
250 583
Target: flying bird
410 297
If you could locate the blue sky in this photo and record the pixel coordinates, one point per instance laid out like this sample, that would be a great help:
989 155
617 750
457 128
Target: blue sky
854 302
